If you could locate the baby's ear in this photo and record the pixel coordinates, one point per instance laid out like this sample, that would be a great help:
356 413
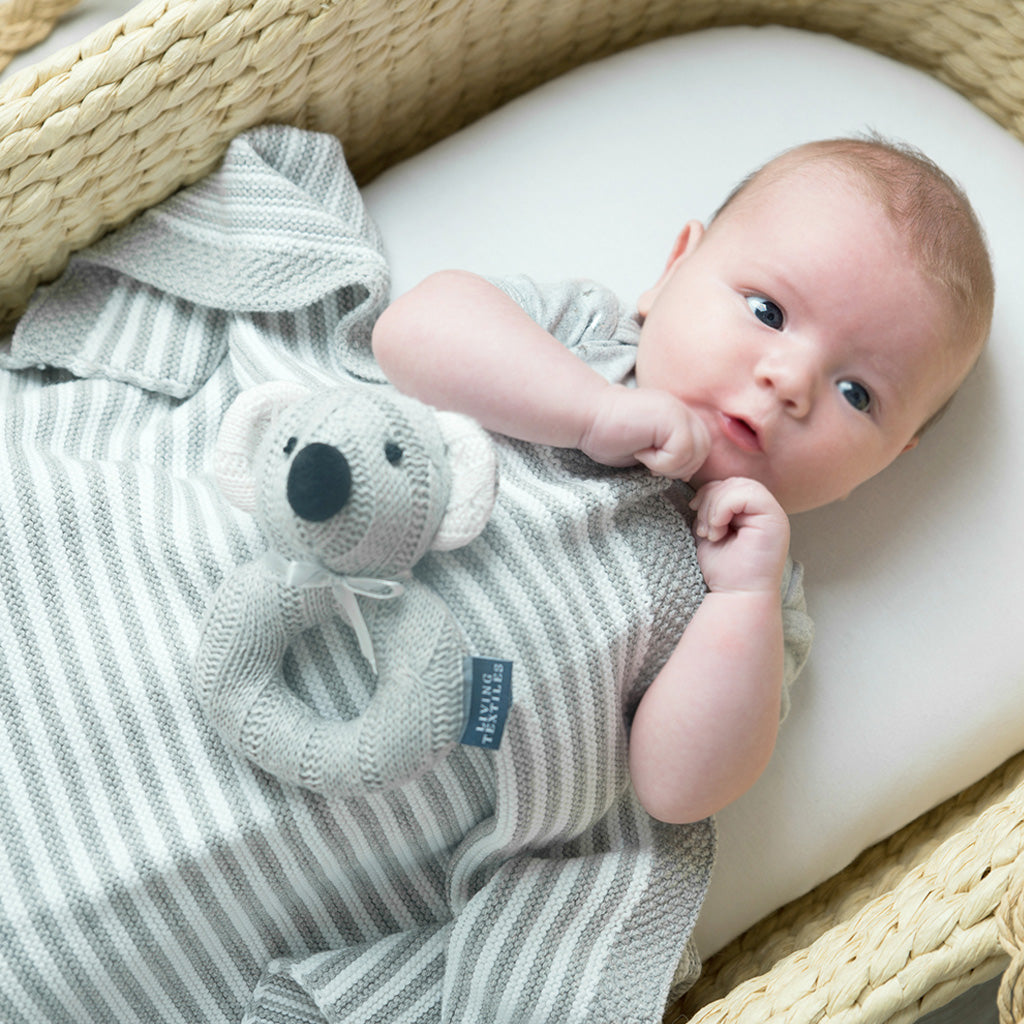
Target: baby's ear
686 242
243 427
474 468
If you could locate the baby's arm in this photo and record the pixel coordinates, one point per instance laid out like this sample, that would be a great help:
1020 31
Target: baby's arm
458 342
705 728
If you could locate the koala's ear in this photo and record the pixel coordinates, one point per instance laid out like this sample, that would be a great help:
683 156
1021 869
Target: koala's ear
241 431
474 468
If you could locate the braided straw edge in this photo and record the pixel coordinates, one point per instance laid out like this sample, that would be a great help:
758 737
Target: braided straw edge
911 923
1010 920
23 23
150 102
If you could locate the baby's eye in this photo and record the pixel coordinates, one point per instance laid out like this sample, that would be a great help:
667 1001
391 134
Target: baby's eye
856 394
766 311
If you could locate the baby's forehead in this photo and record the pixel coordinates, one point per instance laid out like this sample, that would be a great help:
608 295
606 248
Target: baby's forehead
795 171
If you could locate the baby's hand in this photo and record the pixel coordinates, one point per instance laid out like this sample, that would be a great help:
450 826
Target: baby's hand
649 426
742 536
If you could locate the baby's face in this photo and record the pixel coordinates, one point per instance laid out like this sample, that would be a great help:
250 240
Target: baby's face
801 331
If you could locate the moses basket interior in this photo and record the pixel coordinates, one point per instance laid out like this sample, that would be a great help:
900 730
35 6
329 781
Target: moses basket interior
150 102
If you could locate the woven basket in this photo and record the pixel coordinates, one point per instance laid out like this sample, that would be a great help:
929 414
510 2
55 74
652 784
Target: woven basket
149 103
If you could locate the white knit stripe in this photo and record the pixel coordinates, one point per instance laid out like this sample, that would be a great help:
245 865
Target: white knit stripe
24 808
369 976
575 628
181 339
484 971
534 955
102 419
593 934
260 882
78 593
172 319
75 845
15 1000
378 888
36 781
53 428
427 891
478 938
124 627
116 344
559 952
60 693
198 214
412 963
418 967
264 884
424 1010
149 829
321 849
515 970
195 331
573 570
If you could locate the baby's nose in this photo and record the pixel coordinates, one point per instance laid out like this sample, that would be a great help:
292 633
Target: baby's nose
319 482
791 375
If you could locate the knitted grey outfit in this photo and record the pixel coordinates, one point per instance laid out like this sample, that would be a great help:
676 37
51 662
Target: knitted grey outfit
151 873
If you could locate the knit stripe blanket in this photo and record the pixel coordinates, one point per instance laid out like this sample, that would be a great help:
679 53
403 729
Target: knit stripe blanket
150 873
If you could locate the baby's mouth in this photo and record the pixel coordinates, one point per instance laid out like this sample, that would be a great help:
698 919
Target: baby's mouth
741 433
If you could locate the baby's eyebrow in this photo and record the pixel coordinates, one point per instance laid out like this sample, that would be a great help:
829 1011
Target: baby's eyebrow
777 282
885 379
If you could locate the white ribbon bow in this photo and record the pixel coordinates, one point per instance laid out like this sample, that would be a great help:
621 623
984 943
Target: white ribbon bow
345 588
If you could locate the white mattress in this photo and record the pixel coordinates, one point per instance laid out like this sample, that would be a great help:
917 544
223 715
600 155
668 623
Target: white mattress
914 687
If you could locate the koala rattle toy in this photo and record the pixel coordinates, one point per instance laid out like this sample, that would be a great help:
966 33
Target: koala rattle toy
352 486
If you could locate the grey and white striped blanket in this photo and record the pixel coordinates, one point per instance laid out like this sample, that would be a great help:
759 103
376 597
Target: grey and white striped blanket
147 874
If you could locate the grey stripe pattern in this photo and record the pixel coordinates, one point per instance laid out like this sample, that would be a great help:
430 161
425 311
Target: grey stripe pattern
147 874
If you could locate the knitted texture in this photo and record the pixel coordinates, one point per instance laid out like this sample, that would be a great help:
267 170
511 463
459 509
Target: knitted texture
154 874
350 485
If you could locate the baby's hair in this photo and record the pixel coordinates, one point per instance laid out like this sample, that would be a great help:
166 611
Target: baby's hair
925 204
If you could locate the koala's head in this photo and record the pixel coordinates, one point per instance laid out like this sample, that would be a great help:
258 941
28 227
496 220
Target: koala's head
358 477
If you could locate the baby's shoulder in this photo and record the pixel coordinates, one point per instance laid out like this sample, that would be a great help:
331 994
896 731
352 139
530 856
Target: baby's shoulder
574 310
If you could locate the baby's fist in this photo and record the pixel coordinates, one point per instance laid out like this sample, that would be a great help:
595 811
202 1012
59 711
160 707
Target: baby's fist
742 535
646 425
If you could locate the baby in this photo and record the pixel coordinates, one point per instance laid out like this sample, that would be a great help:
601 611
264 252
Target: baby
789 351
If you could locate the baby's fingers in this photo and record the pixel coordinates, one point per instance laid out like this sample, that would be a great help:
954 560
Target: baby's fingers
681 452
742 535
718 505
714 515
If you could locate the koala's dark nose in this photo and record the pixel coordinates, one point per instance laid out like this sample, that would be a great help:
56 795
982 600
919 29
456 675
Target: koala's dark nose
319 482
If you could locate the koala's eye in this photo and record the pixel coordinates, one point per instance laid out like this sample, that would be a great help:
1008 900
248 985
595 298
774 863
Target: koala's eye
290 446
393 452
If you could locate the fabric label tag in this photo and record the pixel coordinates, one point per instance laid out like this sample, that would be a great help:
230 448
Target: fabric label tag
488 699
